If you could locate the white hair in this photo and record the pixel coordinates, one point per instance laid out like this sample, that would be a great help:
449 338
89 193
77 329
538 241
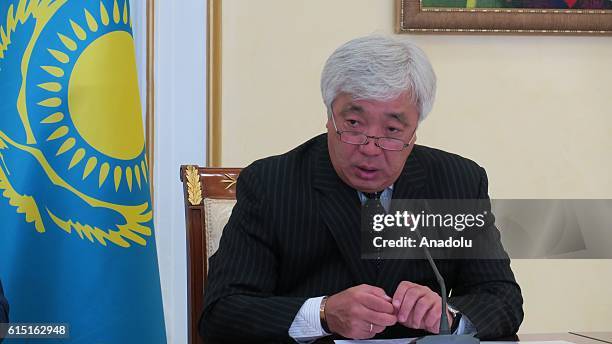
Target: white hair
379 68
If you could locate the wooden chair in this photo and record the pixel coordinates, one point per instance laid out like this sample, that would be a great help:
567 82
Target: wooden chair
210 195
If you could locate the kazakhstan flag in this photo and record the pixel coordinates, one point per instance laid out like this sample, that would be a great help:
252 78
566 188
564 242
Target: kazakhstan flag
76 224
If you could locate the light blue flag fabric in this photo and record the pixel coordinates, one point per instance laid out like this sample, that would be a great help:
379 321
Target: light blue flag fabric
76 228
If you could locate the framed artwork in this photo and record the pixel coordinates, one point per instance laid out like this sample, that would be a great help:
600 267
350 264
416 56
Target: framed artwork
592 17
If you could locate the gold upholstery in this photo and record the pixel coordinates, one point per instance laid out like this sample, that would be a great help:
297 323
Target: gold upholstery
217 213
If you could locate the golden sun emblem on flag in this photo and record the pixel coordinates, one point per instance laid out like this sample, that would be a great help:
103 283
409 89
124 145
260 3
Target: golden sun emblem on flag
72 150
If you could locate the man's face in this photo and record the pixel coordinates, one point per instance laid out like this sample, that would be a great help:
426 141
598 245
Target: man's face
369 168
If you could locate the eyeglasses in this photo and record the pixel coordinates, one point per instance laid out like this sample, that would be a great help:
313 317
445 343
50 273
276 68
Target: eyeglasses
359 138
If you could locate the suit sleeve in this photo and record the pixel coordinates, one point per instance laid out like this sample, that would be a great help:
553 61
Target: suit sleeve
4 307
240 302
486 290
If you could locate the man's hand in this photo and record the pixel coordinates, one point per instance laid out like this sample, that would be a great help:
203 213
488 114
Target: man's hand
359 312
418 307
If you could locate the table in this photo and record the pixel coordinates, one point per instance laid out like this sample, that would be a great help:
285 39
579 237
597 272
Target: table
570 337
558 336
605 337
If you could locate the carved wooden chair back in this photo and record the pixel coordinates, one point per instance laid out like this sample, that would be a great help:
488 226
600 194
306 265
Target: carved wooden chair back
210 195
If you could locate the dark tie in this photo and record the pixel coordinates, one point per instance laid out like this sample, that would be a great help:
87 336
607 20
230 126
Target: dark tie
373 196
371 207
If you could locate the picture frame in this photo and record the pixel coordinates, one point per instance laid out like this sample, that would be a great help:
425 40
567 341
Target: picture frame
435 16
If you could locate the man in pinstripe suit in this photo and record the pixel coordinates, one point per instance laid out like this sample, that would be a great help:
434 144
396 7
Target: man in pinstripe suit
4 309
3 306
288 266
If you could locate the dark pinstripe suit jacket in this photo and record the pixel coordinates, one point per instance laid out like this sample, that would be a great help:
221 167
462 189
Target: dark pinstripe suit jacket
4 307
294 234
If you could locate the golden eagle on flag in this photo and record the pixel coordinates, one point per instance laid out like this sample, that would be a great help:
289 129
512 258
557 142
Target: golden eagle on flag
75 123
77 239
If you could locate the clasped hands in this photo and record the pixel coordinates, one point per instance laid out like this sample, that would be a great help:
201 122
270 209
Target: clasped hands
363 311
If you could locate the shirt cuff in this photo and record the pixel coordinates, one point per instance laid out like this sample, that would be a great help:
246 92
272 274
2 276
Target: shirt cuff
465 326
306 326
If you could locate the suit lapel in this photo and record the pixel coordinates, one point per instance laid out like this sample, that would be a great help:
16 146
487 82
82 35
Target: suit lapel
410 183
341 211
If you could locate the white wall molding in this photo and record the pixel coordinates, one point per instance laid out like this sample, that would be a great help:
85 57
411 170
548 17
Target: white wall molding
180 134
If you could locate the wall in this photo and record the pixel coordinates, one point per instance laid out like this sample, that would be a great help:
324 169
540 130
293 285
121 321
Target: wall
138 12
180 138
533 110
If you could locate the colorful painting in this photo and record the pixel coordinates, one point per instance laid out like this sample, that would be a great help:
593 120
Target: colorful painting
541 4
577 17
